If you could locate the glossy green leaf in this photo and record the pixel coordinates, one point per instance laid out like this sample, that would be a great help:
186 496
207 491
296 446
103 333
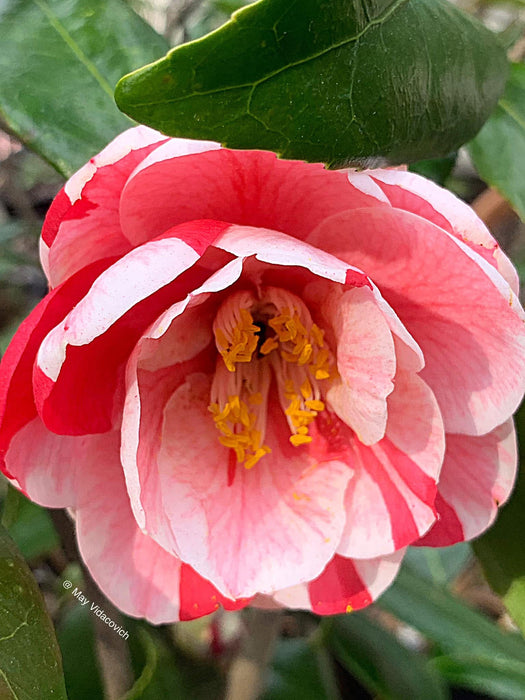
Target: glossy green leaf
498 151
436 169
59 63
337 81
33 530
77 643
299 669
495 676
450 624
501 551
380 661
30 662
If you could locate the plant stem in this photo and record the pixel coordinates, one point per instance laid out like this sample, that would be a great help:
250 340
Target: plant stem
247 669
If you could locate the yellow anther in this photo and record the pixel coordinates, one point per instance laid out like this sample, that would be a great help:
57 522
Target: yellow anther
252 461
305 355
317 335
322 374
239 344
236 425
256 399
268 345
315 405
306 389
297 440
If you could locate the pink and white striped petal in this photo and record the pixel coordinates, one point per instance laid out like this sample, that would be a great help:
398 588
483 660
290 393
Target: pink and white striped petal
82 224
141 578
417 194
177 344
280 249
234 186
274 525
17 406
80 363
477 478
344 586
390 500
474 353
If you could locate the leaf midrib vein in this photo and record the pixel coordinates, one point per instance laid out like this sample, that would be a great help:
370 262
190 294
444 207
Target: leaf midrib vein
254 84
509 109
74 47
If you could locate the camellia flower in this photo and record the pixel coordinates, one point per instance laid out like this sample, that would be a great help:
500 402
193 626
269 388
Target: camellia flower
255 381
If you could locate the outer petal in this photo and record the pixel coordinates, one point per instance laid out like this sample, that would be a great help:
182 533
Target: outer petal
345 585
276 524
474 352
80 362
366 363
252 188
50 468
140 577
390 501
17 406
421 196
477 478
82 224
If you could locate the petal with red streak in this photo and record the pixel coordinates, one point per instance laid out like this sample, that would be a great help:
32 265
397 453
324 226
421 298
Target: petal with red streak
390 501
80 364
83 224
421 196
457 307
477 478
345 585
140 577
276 524
17 406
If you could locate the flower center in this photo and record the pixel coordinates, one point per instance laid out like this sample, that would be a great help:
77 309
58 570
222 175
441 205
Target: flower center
255 338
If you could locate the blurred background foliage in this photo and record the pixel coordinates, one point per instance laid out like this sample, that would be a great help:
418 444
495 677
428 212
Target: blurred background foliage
439 632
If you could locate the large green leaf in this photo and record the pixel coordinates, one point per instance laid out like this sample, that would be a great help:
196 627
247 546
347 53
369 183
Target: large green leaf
338 81
501 549
30 663
59 63
77 643
494 676
380 661
498 151
33 530
454 627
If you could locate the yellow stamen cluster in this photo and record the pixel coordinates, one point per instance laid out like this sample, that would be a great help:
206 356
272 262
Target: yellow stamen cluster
301 346
302 410
238 345
237 426
301 360
304 348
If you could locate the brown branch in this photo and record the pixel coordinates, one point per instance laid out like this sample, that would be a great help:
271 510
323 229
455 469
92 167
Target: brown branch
247 669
